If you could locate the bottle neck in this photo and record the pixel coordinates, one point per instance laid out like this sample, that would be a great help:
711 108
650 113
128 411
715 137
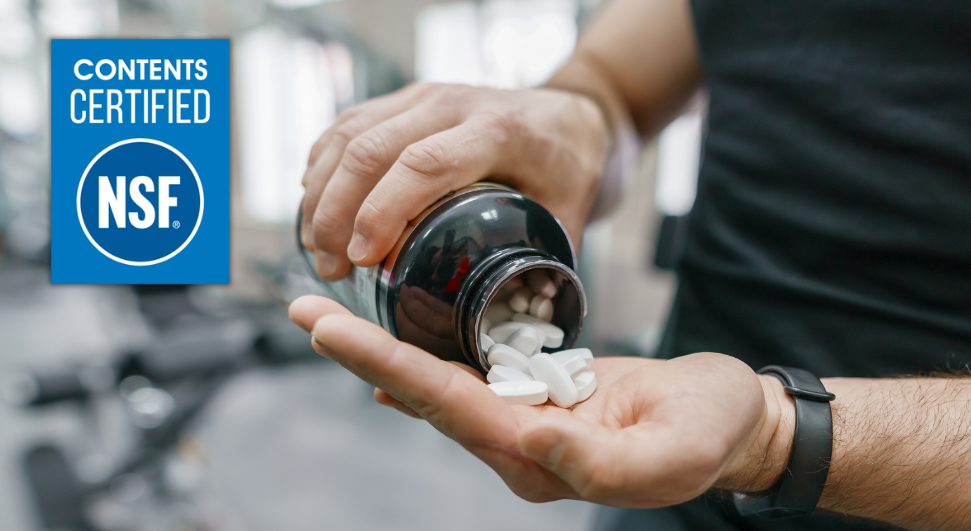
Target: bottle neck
569 304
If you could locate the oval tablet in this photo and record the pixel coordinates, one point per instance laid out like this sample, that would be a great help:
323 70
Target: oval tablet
499 332
500 354
541 308
519 301
573 362
562 390
501 373
484 325
524 340
541 283
508 289
524 318
498 312
564 355
485 342
586 384
554 334
527 393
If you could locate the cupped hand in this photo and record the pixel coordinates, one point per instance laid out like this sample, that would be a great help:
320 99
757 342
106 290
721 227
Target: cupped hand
654 433
385 161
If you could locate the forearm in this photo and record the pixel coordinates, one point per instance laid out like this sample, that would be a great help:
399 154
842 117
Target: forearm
638 61
584 76
902 451
637 64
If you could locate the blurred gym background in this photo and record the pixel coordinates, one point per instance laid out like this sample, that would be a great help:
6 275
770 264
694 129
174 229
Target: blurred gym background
172 408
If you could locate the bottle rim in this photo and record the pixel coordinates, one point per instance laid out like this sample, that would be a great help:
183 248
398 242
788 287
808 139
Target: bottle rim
495 273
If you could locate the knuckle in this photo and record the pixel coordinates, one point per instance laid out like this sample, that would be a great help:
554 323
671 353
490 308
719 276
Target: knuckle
318 148
428 158
365 154
423 88
453 95
350 113
372 217
500 124
343 134
326 224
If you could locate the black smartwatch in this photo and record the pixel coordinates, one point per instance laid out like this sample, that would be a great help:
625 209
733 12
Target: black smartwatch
798 492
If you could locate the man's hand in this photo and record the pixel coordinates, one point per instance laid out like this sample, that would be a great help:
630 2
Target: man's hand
654 433
383 162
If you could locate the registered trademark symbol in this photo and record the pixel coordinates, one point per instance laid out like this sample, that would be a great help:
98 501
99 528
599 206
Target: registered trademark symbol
176 224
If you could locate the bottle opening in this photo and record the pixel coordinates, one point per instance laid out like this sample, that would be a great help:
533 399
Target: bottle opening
498 284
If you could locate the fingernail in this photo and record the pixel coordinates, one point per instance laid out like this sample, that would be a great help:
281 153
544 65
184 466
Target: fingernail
544 447
326 264
357 249
319 347
307 236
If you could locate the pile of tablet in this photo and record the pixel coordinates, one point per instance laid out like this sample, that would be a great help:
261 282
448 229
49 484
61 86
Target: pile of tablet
514 329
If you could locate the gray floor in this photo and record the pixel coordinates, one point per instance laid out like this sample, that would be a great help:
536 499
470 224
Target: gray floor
297 448
310 448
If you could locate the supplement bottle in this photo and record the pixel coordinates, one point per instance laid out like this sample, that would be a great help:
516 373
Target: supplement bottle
435 284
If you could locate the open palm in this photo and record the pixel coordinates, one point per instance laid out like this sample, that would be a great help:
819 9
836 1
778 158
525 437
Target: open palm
654 433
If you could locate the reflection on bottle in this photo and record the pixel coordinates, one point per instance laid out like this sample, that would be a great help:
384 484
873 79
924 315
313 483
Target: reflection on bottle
454 258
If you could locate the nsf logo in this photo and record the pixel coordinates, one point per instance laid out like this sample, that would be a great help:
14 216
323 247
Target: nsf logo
140 173
140 202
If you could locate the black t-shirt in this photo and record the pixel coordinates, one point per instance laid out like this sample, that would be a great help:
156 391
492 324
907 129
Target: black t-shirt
832 226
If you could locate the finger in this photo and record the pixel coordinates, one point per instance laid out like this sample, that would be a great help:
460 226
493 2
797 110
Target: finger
346 115
318 348
332 143
323 158
639 466
470 370
337 137
363 163
425 171
321 144
382 397
451 399
304 311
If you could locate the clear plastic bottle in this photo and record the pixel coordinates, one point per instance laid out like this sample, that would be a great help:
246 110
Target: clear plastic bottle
434 286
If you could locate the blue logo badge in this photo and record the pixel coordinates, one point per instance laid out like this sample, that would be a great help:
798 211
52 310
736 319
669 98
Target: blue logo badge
133 197
140 161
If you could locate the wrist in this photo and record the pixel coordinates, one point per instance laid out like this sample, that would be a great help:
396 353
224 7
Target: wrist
588 113
596 145
761 461
618 152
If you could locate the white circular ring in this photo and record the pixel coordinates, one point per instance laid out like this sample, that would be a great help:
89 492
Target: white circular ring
194 174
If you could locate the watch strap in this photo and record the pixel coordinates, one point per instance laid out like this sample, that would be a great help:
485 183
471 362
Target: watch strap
801 485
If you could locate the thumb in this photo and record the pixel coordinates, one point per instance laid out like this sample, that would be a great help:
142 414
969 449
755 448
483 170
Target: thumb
587 456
